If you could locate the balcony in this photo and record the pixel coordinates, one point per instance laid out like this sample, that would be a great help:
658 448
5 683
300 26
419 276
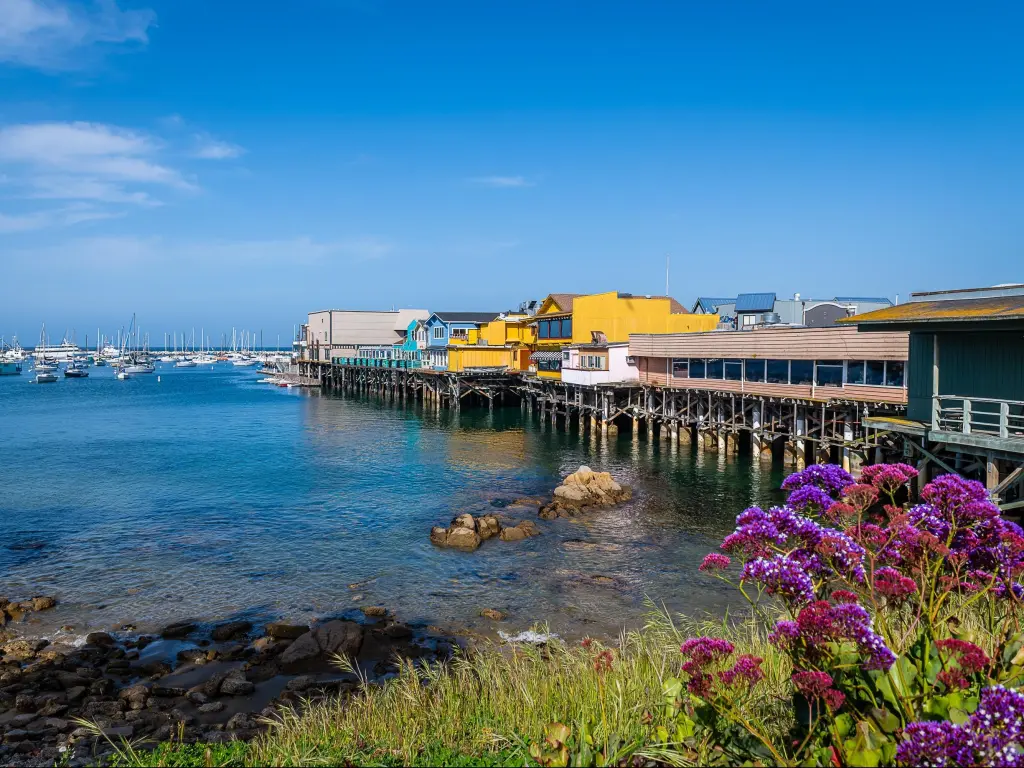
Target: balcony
979 421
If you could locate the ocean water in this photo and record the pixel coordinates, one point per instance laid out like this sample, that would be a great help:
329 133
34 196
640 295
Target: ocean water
203 494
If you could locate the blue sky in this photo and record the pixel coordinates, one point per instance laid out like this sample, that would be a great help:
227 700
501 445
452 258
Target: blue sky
226 164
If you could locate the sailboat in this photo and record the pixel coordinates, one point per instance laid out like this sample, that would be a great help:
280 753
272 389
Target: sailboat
186 361
44 364
134 360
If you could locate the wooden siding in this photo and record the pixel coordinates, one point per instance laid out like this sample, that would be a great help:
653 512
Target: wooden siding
656 371
775 343
982 365
919 377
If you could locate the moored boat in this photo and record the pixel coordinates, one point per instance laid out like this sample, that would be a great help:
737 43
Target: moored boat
46 378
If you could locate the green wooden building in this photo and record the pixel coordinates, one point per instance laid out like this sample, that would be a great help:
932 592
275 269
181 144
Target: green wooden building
965 383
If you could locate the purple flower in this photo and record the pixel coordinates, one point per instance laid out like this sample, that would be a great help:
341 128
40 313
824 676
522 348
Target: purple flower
828 477
714 562
746 669
893 584
706 649
781 576
888 477
810 499
990 736
821 623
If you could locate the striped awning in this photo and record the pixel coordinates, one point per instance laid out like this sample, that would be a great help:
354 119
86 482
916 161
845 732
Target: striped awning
545 356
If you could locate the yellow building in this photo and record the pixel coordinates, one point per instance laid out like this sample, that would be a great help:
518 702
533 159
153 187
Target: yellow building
570 318
503 343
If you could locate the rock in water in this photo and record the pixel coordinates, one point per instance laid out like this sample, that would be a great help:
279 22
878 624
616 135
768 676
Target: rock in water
280 631
178 630
492 614
462 533
463 538
488 526
524 530
582 489
230 630
343 638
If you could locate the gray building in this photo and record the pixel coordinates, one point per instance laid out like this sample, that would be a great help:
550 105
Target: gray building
748 311
340 332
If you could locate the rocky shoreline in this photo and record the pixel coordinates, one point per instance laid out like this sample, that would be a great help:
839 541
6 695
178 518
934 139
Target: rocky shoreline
201 682
190 682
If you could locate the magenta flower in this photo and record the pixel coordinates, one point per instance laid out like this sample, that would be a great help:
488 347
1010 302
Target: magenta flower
714 562
894 585
781 576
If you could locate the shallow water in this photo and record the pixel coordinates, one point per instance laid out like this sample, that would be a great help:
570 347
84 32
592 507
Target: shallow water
204 494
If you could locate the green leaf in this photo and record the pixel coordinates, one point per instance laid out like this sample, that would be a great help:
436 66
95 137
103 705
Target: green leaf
885 719
844 724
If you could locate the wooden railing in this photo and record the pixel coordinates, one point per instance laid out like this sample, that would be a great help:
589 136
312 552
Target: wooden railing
978 416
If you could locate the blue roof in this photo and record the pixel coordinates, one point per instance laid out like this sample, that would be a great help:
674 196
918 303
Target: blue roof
755 302
872 299
710 304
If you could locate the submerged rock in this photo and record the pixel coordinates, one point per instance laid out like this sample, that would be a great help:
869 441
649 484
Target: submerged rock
178 630
524 530
281 631
492 614
584 489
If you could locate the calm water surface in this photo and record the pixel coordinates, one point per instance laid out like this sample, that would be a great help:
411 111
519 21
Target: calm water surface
207 495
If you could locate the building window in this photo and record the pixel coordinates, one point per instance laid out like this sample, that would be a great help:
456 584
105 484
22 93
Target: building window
894 373
829 373
801 371
698 368
438 331
753 370
549 365
460 333
593 362
716 368
874 372
749 320
734 370
855 372
566 327
681 368
777 371
543 330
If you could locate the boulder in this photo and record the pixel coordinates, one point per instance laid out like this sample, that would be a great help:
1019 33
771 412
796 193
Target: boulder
492 614
211 707
178 630
300 683
235 684
524 530
583 489
463 538
230 630
43 603
487 527
439 536
281 631
374 611
343 638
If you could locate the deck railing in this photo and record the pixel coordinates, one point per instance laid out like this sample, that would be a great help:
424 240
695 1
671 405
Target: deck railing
978 416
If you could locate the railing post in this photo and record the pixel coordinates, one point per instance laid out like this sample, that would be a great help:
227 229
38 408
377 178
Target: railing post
1004 420
936 412
967 417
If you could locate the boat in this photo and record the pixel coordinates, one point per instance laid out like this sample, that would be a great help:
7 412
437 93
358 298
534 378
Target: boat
243 362
100 362
46 378
76 370
185 363
122 374
9 368
61 353
139 367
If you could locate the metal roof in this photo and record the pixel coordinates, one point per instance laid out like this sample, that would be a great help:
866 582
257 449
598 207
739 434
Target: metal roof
711 304
546 356
951 310
871 299
755 302
466 317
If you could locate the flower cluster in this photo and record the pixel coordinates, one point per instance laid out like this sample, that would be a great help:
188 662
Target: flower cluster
781 576
714 562
894 585
818 685
828 477
969 658
822 623
990 736
705 654
888 478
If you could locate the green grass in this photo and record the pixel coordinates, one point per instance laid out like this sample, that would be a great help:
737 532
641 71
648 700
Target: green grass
487 707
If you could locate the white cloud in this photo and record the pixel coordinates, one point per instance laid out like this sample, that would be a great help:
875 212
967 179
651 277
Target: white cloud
208 148
501 182
60 35
76 213
85 163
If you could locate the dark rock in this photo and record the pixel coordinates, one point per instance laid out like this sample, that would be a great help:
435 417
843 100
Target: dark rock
300 683
280 631
210 708
239 721
103 708
100 640
178 630
338 637
493 615
193 656
235 684
75 693
15 735
25 703
374 611
167 691
230 630
43 603
397 631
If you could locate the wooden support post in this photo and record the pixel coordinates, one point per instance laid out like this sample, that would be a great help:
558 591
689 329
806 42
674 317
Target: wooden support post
847 439
755 431
991 472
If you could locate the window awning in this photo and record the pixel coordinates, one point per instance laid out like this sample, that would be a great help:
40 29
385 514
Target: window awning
545 356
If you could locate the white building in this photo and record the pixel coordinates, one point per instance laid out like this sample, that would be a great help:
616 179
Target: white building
598 364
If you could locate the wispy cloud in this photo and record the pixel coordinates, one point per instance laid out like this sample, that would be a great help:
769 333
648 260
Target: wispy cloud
501 182
104 166
209 148
55 35
76 213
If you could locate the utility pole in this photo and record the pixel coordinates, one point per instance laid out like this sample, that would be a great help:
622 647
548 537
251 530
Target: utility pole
666 274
